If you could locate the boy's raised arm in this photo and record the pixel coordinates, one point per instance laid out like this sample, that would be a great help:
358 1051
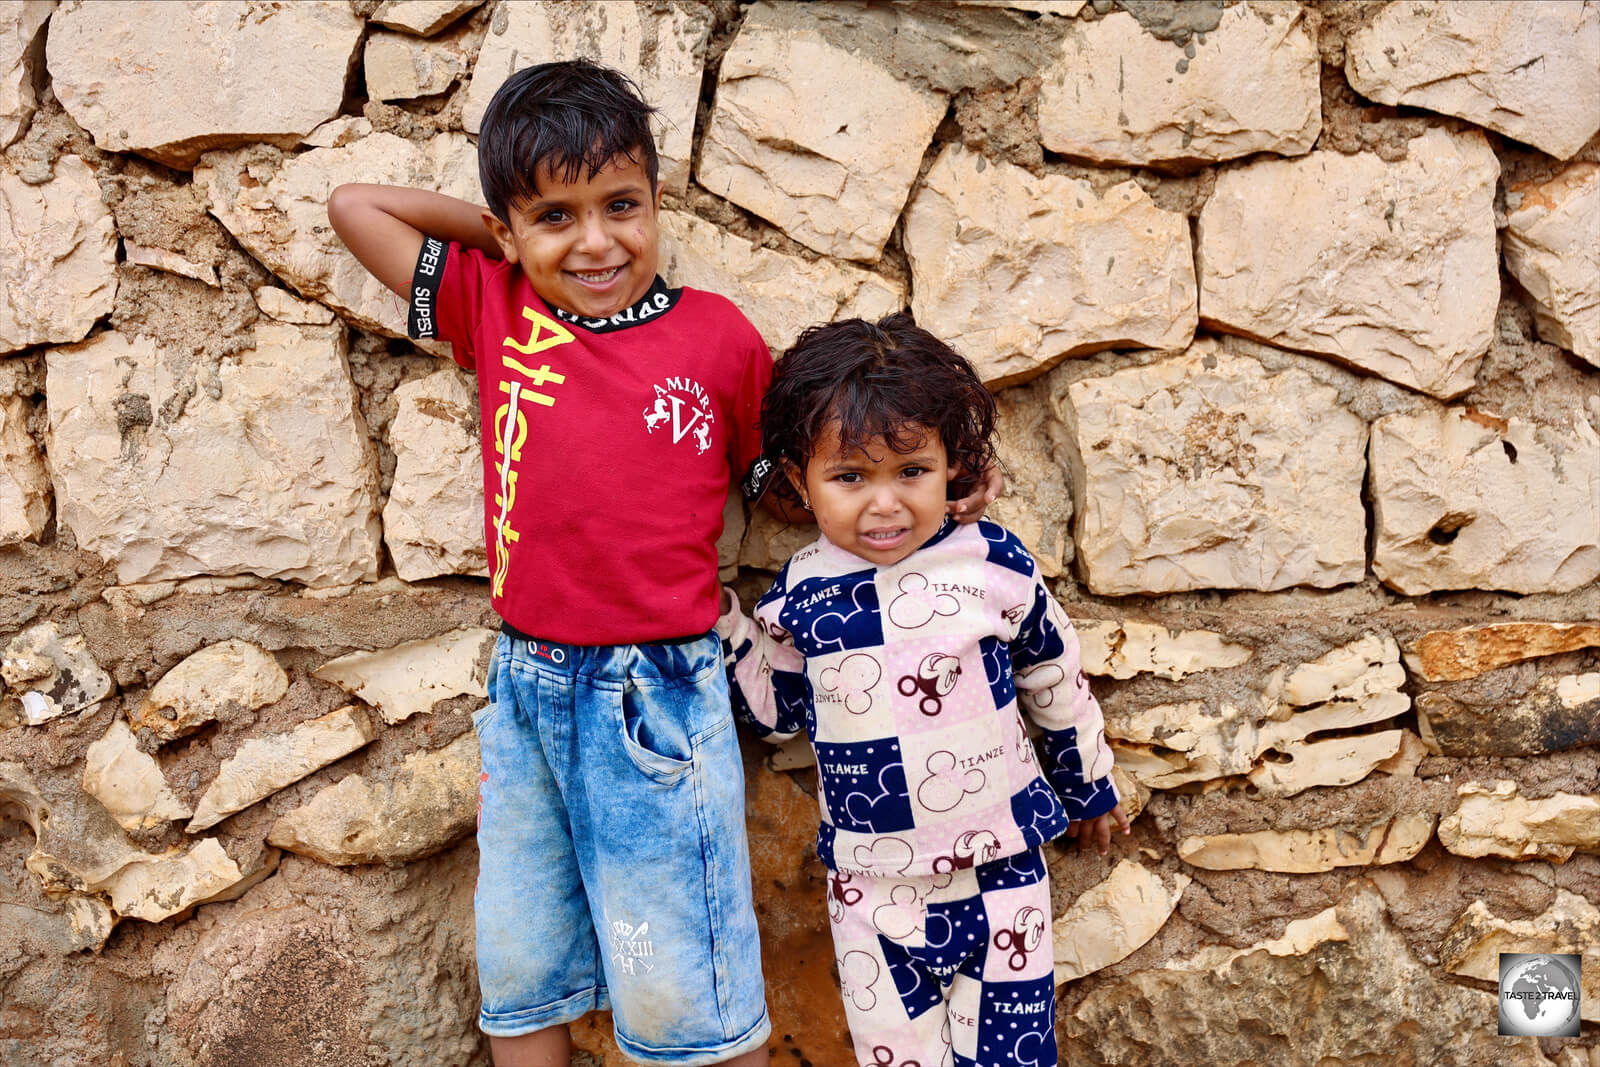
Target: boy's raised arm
383 225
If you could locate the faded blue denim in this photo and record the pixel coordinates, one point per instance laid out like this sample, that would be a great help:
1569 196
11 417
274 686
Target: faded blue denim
613 867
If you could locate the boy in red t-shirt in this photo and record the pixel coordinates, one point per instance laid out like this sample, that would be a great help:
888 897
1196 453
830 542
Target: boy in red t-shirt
616 412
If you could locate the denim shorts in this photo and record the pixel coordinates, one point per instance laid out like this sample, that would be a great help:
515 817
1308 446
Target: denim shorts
613 869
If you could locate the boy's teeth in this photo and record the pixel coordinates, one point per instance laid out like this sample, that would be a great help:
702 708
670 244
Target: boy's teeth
596 275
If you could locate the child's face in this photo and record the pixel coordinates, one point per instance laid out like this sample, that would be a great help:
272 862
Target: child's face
876 503
589 245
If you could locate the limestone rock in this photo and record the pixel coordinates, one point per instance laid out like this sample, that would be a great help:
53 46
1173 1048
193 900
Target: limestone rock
45 674
171 262
1206 472
1465 500
25 500
1303 851
118 66
400 66
20 52
1530 71
1556 712
1355 686
1109 921
782 294
279 304
413 677
339 132
662 49
731 536
1495 821
1552 249
433 522
769 542
1251 86
129 782
221 679
1063 8
261 465
823 142
59 273
1123 649
264 765
1473 945
1456 655
1017 272
1390 267
280 213
428 805
1037 503
421 17
1345 989
79 849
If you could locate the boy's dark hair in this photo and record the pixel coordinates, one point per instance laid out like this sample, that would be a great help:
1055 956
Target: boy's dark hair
878 379
570 116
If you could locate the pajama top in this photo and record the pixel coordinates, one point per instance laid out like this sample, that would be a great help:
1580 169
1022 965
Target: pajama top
907 679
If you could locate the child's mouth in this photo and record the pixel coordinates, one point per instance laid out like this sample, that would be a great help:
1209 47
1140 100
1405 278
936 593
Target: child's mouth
596 277
884 538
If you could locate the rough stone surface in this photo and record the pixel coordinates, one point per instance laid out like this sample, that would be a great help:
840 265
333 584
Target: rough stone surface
421 17
25 498
1513 718
171 262
1342 992
821 141
1304 851
1252 86
20 24
279 304
129 782
1530 71
1017 272
400 66
217 681
279 212
429 804
264 765
1110 921
1037 504
1467 500
1493 820
781 294
267 73
1205 471
261 465
1351 687
1123 649
1552 246
59 273
433 522
663 50
1457 655
413 677
1572 925
1387 266
45 674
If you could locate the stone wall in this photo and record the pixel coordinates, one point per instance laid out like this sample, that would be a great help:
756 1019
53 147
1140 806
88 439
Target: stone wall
1293 311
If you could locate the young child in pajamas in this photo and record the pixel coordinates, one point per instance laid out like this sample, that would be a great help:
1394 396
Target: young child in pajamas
903 644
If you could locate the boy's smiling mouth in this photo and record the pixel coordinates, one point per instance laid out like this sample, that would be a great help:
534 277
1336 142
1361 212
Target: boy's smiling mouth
596 277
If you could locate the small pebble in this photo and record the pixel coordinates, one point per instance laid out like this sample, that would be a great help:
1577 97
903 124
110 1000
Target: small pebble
194 780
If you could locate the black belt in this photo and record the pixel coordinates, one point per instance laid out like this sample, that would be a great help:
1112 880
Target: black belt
511 631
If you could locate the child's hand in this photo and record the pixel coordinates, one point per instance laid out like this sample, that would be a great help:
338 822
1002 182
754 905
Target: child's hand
970 508
1097 831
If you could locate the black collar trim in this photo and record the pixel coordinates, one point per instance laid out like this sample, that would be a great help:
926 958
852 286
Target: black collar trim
656 301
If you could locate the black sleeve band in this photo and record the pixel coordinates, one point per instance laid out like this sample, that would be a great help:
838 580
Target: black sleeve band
422 322
757 478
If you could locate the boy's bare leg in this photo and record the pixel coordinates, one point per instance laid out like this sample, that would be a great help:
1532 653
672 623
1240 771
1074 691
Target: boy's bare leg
756 1057
550 1047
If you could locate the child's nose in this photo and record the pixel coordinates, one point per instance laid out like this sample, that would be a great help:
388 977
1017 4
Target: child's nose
594 237
885 500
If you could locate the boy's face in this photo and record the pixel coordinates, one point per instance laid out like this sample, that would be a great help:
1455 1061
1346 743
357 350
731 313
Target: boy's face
589 245
876 503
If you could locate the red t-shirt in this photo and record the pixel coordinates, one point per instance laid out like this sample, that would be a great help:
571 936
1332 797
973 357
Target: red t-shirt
609 445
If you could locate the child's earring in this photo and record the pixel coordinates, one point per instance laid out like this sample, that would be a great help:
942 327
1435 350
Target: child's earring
805 503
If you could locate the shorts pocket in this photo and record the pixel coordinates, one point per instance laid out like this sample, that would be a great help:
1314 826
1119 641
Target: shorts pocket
665 719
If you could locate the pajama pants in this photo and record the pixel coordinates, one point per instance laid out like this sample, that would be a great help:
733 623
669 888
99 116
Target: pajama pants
948 970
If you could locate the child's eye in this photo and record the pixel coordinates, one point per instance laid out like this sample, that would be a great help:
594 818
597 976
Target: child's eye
848 477
554 215
913 472
619 207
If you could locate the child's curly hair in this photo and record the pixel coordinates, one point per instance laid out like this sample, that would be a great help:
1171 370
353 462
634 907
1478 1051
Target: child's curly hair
890 378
